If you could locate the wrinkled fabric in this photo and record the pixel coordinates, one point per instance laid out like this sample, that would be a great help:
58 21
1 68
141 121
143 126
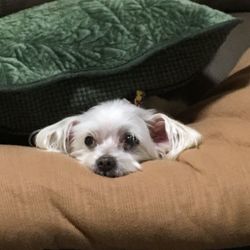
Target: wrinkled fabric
93 36
200 201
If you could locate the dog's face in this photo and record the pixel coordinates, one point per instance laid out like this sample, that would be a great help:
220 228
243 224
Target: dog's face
114 137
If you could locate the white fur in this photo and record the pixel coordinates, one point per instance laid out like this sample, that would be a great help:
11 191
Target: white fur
107 122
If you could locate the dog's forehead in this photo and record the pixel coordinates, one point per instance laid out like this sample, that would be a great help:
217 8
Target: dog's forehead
110 112
113 118
109 124
118 110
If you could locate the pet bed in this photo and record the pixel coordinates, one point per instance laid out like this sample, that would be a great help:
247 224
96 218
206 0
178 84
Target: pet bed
201 201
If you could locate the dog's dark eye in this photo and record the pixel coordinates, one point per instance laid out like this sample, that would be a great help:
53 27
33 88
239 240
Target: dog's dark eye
130 141
90 141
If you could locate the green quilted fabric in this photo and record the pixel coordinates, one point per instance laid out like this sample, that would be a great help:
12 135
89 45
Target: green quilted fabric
63 57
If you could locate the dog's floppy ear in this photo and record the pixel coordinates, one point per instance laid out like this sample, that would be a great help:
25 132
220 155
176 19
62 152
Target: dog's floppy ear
170 136
57 137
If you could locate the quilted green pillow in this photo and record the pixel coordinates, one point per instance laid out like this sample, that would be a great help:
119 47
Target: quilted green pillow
63 57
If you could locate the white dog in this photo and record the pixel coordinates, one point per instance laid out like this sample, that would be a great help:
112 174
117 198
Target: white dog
115 136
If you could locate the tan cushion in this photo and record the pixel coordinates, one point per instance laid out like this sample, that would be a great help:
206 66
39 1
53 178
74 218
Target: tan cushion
48 201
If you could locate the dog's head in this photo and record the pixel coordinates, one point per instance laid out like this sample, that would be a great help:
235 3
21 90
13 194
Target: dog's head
114 137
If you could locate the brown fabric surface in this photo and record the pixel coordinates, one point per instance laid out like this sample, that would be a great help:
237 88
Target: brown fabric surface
201 201
11 6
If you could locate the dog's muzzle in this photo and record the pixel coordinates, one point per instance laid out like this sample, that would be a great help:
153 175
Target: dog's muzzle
106 163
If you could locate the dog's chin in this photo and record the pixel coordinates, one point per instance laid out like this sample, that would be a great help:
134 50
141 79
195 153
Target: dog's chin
111 174
118 171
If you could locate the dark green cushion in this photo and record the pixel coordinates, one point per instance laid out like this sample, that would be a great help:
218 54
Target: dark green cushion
63 57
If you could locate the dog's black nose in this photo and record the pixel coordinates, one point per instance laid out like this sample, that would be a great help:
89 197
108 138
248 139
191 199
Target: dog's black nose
106 163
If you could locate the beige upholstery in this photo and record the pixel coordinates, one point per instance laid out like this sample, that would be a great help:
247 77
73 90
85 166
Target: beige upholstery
201 201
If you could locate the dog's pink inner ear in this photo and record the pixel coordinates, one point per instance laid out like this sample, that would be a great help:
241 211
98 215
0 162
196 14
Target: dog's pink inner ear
158 131
70 132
